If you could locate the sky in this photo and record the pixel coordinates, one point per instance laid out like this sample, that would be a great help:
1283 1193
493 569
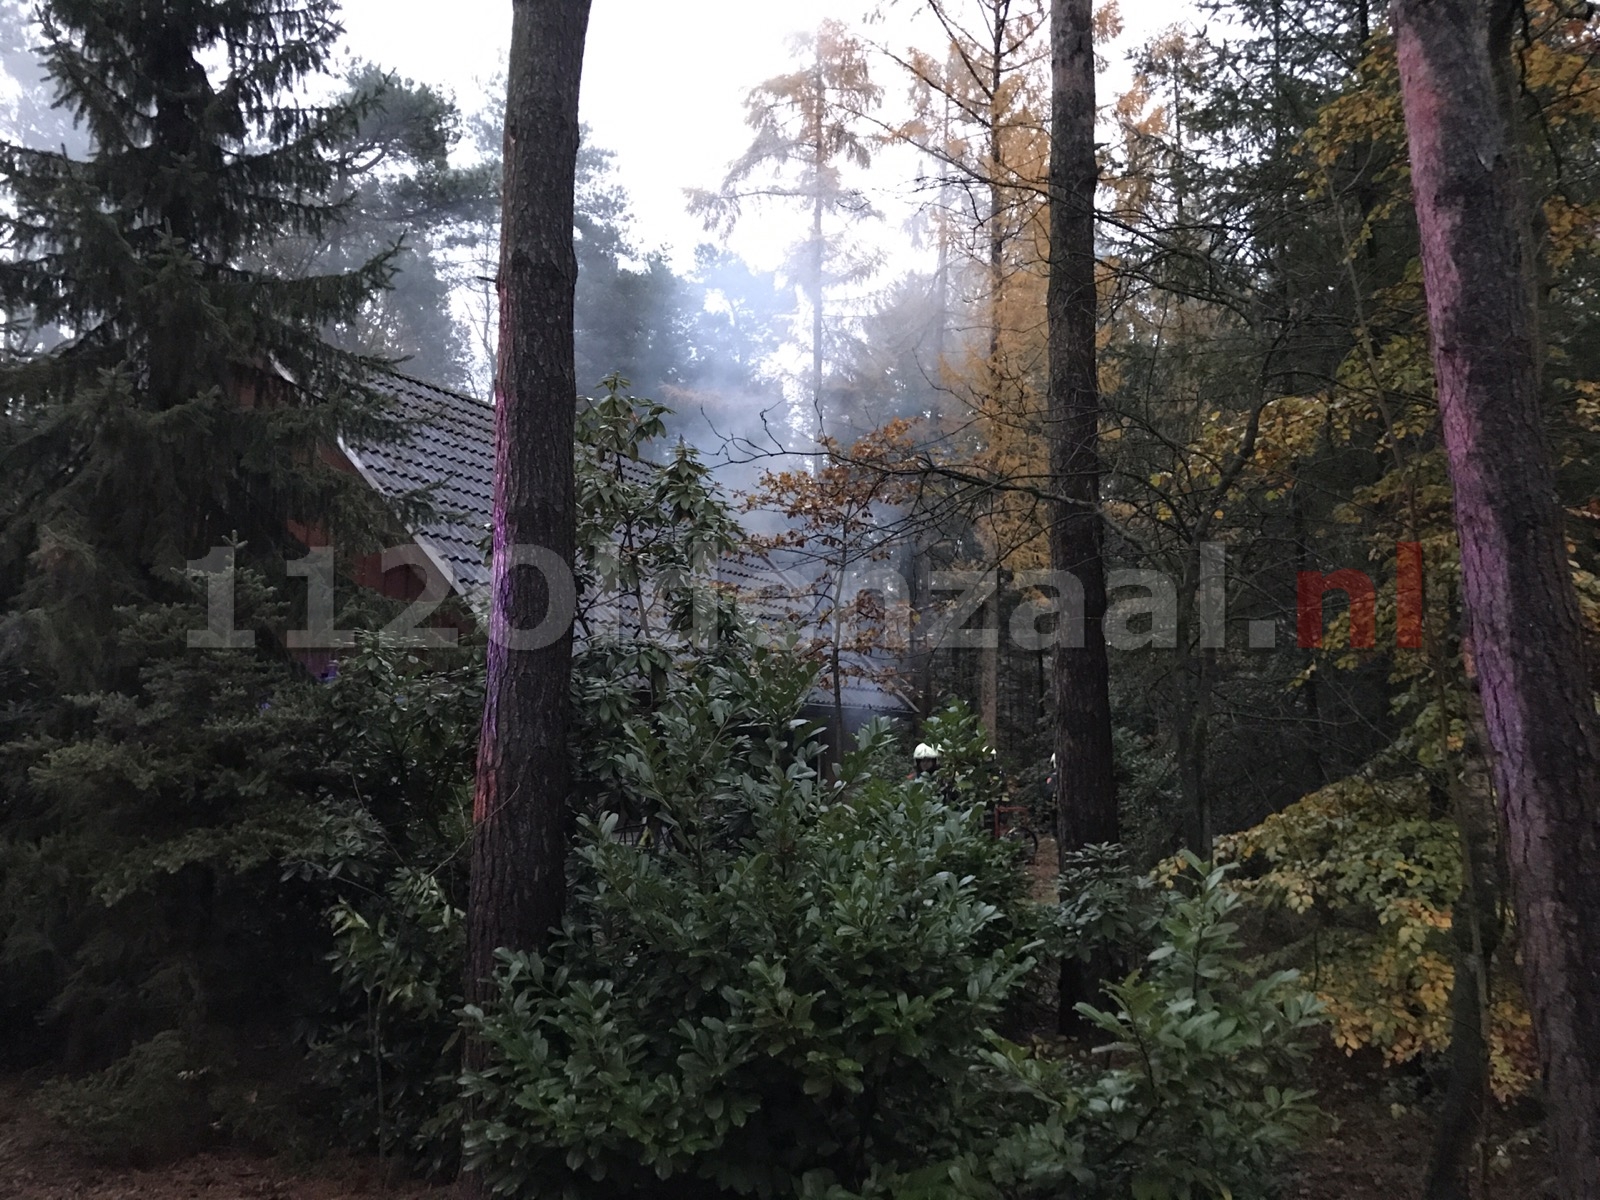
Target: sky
663 87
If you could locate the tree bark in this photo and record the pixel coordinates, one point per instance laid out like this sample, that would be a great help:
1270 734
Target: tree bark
1479 273
989 666
1477 929
1193 735
819 258
1086 794
989 661
1449 1174
518 848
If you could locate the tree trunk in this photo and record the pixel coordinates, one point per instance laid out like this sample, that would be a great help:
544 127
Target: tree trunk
1479 274
989 660
836 747
989 667
1477 929
1086 794
1193 731
1311 692
1192 721
819 156
518 847
1449 1174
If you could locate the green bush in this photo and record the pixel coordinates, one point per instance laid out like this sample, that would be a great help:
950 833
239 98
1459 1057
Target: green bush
150 1106
384 1049
1106 909
390 1054
796 1005
1196 1097
811 1015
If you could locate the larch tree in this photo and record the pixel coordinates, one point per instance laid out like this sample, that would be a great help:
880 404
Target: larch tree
1480 273
1086 790
518 849
978 115
808 133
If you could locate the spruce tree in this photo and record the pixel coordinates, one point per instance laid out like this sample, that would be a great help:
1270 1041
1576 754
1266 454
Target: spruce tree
164 387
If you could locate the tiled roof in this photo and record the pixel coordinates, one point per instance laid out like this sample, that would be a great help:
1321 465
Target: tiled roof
449 459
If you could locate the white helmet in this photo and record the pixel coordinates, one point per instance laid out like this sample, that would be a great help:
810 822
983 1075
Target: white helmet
923 751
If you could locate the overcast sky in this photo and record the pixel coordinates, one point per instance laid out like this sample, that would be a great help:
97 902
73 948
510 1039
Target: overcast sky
664 82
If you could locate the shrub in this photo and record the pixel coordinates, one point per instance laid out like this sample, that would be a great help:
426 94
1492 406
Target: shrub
150 1106
1361 880
1106 909
1201 1102
1195 1097
795 994
385 1047
793 1006
391 1056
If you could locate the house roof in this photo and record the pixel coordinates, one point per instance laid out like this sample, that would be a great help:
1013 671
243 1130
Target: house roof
449 459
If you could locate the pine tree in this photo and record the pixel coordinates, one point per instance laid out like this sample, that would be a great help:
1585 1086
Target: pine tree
1480 265
26 114
395 174
1086 791
191 383
524 758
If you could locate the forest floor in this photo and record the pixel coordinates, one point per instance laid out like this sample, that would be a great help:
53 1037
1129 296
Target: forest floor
1377 1150
38 1161
1372 1149
1373 1153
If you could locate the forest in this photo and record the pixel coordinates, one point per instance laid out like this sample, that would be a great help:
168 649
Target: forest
1075 679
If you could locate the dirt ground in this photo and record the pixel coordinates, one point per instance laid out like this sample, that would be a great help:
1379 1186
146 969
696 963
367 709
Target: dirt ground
1373 1148
37 1162
1370 1152
1390 1164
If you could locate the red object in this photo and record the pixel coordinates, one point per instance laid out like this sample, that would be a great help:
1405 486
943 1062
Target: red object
1363 607
1408 595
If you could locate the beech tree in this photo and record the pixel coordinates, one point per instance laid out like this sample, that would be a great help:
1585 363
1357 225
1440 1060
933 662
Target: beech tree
518 883
836 546
1478 261
1086 791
